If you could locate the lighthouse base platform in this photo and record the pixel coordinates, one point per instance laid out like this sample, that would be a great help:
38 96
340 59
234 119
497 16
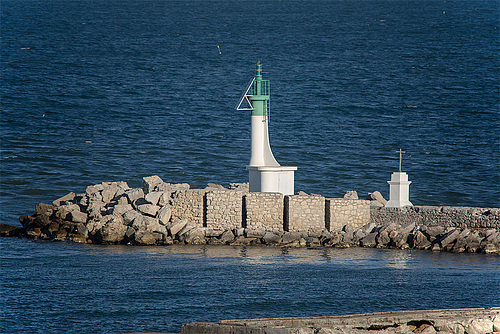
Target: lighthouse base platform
399 191
272 179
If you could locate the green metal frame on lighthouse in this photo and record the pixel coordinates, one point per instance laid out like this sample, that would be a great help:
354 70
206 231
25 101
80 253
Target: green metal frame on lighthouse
257 96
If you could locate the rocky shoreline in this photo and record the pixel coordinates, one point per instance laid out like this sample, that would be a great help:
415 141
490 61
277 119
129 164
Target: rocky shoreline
113 213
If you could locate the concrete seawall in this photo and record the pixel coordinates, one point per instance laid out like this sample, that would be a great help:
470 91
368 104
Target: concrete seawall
466 321
162 213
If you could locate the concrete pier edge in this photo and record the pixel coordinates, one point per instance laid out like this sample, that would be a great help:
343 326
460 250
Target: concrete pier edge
467 320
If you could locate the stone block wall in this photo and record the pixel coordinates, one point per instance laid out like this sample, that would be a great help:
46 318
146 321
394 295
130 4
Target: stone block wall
303 212
188 204
264 211
438 215
224 209
343 211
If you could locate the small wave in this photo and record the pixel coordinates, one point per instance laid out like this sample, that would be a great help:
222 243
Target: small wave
15 182
35 191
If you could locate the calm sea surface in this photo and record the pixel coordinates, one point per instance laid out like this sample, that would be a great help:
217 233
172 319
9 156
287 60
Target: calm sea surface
100 90
70 288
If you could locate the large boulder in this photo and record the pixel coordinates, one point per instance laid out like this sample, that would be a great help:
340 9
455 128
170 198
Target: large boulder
376 199
473 242
148 209
78 217
419 240
10 231
113 231
194 236
175 227
42 208
333 240
369 240
448 238
146 223
63 212
149 183
109 192
460 245
358 235
351 194
154 197
271 238
291 236
164 214
64 200
130 216
491 244
433 233
164 198
144 238
93 193
134 194
121 209
226 237
479 326
254 233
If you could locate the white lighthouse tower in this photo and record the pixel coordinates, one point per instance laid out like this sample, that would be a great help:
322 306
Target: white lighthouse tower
265 173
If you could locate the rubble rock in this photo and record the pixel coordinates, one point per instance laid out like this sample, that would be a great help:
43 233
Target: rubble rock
226 237
134 194
78 217
376 196
154 197
449 237
10 231
369 240
176 226
194 236
66 198
164 214
271 238
351 194
148 209
289 237
42 208
144 238
254 233
113 231
149 183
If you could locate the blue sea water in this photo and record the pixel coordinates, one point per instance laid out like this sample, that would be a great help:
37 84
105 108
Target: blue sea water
96 90
114 90
70 288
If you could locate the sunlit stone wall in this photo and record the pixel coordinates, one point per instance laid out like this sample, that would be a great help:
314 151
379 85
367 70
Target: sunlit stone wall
304 212
264 211
188 204
224 209
343 211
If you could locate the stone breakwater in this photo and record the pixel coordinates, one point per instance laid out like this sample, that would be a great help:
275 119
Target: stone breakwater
162 213
464 321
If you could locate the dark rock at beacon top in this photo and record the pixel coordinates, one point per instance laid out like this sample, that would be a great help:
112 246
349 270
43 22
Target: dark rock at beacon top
163 213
